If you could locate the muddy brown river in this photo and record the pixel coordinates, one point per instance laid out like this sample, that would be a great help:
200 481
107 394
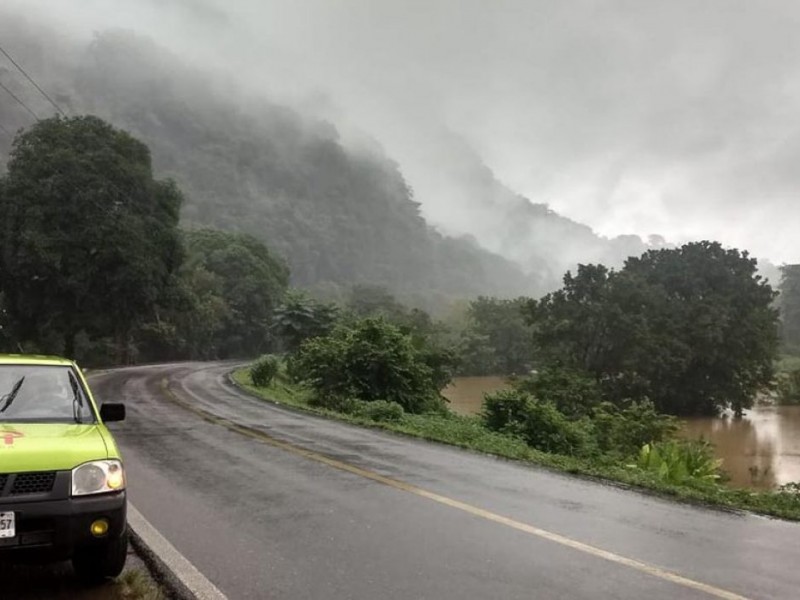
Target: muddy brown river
760 450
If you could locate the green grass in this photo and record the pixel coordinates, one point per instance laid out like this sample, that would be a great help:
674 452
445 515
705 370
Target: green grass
136 584
468 432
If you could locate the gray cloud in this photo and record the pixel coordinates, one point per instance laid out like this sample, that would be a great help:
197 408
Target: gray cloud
633 117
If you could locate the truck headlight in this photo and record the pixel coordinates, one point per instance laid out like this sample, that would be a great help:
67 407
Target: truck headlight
98 477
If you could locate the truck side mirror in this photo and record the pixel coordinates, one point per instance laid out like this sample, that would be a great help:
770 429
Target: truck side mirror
112 411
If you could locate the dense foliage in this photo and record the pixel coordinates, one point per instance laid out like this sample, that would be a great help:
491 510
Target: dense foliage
539 423
693 329
89 240
93 265
300 317
369 360
341 214
496 338
605 430
249 281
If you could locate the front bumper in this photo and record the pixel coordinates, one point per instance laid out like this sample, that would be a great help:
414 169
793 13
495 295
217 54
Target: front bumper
56 529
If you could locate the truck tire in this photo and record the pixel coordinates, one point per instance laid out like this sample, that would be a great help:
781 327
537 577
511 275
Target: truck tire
93 565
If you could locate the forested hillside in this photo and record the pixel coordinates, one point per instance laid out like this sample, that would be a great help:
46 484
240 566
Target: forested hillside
338 216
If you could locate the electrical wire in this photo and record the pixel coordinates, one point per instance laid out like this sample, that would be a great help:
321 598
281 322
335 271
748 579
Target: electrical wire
33 83
14 96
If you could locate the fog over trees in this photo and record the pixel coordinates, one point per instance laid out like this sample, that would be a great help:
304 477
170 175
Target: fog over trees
339 212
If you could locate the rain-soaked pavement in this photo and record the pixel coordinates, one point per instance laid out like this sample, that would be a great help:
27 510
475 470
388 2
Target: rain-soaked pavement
373 515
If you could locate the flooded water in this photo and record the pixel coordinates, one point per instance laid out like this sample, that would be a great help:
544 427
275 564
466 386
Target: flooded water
760 450
466 393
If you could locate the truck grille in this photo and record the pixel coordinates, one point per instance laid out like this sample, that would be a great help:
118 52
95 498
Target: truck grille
27 483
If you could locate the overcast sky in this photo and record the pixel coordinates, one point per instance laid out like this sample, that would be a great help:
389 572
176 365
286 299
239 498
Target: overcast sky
635 116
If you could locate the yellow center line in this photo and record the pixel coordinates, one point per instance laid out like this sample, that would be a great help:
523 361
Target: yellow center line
397 484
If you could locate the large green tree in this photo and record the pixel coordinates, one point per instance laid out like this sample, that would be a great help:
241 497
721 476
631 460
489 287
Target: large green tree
88 239
693 328
234 284
300 317
497 338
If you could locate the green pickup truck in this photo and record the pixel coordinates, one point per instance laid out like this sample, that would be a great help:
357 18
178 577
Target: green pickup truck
62 483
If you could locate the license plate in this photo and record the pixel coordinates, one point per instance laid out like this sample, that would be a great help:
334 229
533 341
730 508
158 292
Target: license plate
7 529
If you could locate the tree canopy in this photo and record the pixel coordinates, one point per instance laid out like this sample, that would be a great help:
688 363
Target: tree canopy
496 338
248 279
89 239
693 329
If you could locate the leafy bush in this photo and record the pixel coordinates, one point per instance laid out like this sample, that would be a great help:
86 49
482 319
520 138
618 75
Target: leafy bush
549 430
572 392
264 370
680 461
625 430
539 423
506 410
381 410
369 360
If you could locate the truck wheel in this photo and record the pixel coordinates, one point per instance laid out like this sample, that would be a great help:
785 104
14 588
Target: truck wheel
93 565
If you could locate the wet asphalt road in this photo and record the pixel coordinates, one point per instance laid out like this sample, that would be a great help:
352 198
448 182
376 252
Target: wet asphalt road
266 522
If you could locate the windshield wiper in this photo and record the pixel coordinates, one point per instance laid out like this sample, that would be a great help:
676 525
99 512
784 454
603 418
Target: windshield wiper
8 398
77 400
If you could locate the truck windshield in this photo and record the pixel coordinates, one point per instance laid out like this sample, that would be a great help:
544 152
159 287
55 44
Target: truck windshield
42 394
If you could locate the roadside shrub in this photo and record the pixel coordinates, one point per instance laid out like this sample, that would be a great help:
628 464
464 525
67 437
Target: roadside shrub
368 360
549 430
264 370
381 410
624 431
540 424
573 393
680 461
506 410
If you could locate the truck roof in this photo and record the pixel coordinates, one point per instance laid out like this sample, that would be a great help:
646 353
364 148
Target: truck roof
34 359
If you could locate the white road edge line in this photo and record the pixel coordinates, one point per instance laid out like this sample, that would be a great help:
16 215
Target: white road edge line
176 563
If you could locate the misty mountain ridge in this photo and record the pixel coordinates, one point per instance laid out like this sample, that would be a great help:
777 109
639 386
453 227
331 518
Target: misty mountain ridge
338 215
531 234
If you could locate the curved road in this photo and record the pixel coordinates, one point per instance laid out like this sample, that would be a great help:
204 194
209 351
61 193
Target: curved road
270 503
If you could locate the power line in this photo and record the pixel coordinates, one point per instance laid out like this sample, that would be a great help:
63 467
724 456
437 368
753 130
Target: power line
29 78
25 106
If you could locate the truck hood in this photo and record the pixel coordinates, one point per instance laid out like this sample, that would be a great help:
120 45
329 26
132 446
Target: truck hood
49 446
